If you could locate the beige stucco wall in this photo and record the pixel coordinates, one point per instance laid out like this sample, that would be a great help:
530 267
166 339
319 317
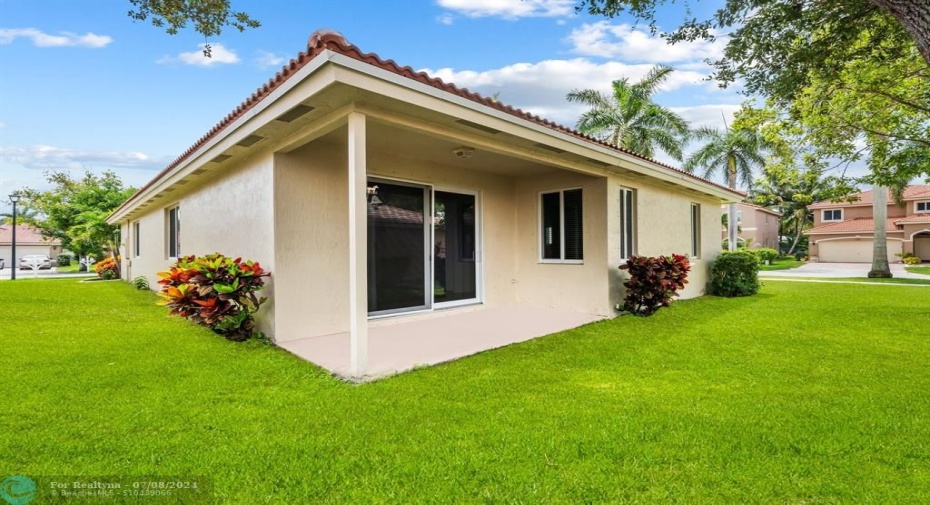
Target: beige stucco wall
233 215
311 205
579 287
663 227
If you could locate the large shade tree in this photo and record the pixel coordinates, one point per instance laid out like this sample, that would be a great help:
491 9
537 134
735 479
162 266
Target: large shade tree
628 117
733 153
74 211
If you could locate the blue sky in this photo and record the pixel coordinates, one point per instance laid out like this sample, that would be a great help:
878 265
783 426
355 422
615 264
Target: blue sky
82 86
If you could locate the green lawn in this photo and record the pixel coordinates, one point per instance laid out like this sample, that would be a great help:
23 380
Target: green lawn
781 264
893 280
923 270
805 393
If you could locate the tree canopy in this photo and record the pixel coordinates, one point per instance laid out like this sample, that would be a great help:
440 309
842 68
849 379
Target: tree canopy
75 211
209 17
777 46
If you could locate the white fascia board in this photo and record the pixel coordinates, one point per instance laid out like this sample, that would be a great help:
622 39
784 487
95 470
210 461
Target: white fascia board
586 148
203 154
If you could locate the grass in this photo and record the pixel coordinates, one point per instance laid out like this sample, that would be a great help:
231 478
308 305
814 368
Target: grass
781 264
805 393
923 270
893 280
70 269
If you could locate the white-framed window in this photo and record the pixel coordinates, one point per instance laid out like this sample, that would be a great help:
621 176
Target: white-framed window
136 241
739 216
173 230
627 222
922 206
695 230
561 220
832 215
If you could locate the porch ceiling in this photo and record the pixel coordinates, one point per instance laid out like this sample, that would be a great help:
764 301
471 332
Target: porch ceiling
388 140
406 342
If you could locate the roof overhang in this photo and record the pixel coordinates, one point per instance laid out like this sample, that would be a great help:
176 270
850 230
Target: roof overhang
332 85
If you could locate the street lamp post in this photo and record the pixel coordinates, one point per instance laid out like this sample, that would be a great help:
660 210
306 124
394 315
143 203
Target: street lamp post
14 199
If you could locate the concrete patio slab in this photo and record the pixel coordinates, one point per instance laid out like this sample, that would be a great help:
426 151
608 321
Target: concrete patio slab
402 343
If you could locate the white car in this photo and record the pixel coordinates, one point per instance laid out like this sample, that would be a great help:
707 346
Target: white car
32 261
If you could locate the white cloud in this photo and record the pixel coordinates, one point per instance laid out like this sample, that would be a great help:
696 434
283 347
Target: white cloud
711 115
63 39
510 9
219 55
541 87
629 43
267 59
49 157
445 19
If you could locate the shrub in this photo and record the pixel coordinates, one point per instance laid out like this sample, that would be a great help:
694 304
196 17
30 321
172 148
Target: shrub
107 269
735 273
911 260
140 282
653 282
215 291
63 260
765 254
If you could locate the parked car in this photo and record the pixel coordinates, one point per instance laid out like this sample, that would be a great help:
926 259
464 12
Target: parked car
30 261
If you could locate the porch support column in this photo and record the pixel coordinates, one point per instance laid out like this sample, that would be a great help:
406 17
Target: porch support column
358 246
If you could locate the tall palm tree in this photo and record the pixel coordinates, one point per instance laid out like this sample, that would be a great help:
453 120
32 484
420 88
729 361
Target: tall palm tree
628 118
24 215
734 153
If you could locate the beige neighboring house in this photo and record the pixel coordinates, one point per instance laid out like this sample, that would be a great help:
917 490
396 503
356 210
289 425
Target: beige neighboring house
379 196
28 241
758 226
842 232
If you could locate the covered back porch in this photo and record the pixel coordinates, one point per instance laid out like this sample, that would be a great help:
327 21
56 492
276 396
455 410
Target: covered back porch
400 244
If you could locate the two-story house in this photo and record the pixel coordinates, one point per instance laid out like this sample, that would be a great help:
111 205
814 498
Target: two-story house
842 232
758 226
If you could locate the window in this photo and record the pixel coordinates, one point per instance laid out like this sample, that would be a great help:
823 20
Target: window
695 230
627 222
136 250
174 232
739 216
922 206
561 217
832 215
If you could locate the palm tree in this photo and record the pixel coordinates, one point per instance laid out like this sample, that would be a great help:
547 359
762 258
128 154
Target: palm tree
629 119
24 215
734 153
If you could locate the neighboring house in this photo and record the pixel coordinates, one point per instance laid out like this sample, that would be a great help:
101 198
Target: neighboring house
28 241
758 226
842 232
370 190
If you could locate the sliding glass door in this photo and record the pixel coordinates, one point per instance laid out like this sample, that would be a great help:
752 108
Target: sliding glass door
455 268
422 247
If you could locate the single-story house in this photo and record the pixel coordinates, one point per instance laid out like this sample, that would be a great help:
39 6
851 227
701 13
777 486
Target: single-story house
842 231
28 242
757 225
382 198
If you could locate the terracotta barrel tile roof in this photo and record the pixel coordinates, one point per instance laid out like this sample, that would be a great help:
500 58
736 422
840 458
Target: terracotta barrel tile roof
329 40
865 197
861 224
914 218
25 235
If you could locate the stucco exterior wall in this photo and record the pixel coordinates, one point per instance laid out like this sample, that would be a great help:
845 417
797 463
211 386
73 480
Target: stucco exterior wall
663 227
579 287
233 215
311 205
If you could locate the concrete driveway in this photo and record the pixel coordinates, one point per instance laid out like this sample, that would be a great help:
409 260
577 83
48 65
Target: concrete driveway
42 274
824 270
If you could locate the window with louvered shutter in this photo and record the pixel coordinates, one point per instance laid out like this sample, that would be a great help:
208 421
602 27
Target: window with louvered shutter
562 223
627 222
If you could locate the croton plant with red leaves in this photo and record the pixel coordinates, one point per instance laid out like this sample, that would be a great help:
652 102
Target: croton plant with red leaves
215 291
653 282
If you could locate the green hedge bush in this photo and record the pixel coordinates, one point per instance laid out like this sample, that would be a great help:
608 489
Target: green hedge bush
766 254
63 260
735 273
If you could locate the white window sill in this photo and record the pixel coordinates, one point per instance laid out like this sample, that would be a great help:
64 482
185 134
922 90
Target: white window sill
561 262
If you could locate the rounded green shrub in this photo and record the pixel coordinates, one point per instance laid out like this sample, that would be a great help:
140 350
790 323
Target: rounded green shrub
766 254
735 273
63 260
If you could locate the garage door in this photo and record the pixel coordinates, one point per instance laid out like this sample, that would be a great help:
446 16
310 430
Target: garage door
854 251
922 247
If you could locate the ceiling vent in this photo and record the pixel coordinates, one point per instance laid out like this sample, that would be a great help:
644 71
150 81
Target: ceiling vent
549 148
250 140
294 113
221 158
477 126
